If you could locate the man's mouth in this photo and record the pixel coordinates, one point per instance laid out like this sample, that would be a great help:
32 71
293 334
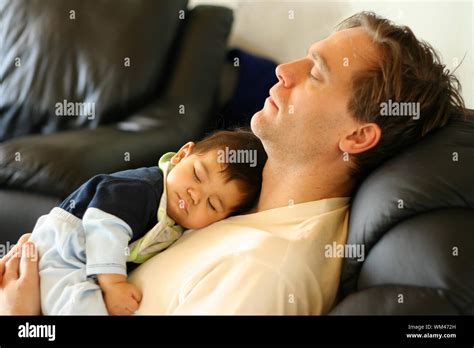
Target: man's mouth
272 100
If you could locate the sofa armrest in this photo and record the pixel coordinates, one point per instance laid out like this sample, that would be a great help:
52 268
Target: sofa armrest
197 68
56 164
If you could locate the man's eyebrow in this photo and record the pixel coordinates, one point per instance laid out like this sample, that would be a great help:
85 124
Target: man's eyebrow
321 61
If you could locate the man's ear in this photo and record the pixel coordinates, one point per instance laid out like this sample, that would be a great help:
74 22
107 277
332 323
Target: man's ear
363 138
184 152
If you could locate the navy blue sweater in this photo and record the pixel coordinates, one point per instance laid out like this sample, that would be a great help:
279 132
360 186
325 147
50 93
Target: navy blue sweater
131 195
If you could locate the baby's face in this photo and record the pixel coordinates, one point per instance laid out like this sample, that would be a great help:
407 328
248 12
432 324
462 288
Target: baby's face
197 192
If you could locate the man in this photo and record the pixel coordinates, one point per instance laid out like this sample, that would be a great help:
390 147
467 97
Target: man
323 130
19 293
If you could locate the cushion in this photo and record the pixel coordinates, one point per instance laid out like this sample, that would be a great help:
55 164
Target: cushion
73 64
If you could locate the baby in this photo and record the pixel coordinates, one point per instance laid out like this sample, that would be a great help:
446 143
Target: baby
86 242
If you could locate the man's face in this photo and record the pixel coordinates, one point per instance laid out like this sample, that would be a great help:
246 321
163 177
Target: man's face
197 192
306 114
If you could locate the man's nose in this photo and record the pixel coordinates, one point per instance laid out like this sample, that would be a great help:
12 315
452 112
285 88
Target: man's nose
286 74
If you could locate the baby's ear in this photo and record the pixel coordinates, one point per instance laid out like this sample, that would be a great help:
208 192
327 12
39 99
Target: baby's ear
184 152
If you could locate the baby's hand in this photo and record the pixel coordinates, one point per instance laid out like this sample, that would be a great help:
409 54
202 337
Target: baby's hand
121 297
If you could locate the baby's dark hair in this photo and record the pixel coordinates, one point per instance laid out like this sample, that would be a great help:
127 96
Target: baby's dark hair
238 141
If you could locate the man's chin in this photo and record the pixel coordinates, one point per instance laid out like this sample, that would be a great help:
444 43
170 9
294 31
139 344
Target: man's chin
252 124
258 124
261 126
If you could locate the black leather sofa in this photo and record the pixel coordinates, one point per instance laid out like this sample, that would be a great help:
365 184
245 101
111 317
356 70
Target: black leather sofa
414 215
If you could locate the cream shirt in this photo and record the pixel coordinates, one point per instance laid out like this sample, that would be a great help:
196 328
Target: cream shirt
270 262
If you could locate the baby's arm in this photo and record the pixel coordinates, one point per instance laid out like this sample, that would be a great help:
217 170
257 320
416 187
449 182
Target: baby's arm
121 204
121 297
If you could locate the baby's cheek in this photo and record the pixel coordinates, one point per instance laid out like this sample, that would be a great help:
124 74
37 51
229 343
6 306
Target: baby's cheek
171 184
200 220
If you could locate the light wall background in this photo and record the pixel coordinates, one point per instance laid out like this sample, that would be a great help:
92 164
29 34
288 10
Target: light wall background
264 27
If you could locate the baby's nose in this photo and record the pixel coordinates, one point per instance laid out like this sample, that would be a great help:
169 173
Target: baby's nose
194 196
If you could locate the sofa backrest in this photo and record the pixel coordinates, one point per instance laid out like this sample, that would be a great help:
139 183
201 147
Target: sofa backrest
74 64
415 217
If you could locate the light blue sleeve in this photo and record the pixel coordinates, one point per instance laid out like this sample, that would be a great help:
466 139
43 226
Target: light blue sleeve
107 238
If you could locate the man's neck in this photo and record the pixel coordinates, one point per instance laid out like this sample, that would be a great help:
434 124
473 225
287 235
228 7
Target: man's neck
284 185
